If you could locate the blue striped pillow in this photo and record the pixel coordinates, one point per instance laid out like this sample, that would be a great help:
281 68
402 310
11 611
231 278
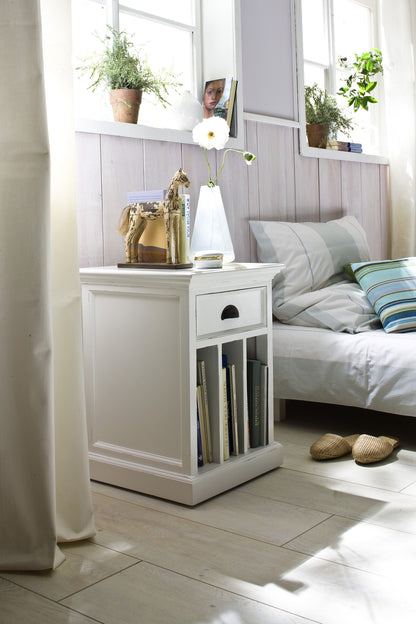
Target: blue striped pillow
390 286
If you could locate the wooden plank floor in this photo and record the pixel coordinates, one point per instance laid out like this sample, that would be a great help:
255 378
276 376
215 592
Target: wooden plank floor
328 542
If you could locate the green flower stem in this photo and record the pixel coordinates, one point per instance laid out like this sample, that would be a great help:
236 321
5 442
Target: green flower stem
210 182
230 149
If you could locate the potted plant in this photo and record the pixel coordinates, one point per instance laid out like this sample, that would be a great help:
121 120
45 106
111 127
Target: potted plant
360 84
120 69
324 118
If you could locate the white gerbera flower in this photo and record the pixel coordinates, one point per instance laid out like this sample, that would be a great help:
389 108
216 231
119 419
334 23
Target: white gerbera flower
212 132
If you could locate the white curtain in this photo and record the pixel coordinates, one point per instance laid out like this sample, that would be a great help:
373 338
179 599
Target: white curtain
44 481
398 47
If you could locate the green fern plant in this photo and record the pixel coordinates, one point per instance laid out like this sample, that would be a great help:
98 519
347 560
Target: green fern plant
120 66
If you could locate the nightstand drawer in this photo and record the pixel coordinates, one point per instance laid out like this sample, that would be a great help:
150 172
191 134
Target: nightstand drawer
236 309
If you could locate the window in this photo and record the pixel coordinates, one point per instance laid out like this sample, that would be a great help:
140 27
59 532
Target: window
333 29
166 31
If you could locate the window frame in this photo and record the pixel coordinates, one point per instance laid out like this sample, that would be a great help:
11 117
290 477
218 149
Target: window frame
304 148
199 42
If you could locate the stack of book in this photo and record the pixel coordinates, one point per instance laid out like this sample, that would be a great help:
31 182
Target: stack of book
345 146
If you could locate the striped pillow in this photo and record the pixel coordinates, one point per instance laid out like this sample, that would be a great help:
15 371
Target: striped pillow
390 286
314 254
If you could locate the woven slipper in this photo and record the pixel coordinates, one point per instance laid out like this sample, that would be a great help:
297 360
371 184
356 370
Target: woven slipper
332 445
368 449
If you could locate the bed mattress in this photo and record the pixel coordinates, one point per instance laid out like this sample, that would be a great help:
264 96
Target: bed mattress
370 369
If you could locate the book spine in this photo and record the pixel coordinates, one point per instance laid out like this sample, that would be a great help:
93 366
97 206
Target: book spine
231 102
234 414
201 412
229 417
226 441
185 228
202 380
198 437
253 375
263 403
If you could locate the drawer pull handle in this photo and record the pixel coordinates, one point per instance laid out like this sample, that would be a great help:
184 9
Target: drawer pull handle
230 311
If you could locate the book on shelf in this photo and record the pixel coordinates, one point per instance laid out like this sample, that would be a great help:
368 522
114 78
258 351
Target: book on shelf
224 107
185 229
198 437
345 146
264 403
202 424
225 411
152 244
234 413
202 383
254 400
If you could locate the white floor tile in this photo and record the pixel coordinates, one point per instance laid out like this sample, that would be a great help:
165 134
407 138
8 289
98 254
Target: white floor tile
385 552
19 606
333 496
237 512
152 595
85 564
391 474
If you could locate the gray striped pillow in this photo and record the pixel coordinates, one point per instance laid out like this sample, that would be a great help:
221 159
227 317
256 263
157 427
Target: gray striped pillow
314 254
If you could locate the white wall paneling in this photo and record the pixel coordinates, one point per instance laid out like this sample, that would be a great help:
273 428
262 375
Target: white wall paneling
89 200
351 189
122 171
281 184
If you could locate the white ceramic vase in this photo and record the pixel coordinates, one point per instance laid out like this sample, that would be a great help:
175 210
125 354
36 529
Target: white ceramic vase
210 232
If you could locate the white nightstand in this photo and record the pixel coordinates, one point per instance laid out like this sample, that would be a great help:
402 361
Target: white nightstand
143 332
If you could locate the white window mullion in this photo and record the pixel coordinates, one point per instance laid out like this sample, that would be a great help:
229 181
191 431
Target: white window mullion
331 74
197 50
156 18
112 14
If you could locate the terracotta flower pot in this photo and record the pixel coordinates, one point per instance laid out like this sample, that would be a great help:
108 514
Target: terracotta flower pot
126 104
317 135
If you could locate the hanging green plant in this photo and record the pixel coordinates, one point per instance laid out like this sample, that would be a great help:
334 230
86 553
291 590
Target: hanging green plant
360 83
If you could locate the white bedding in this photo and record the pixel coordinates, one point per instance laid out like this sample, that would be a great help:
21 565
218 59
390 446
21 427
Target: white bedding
371 369
342 307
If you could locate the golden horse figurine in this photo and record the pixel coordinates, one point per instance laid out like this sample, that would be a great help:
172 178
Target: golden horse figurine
135 217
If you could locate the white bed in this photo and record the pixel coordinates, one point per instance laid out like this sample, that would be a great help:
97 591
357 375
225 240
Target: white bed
329 344
370 369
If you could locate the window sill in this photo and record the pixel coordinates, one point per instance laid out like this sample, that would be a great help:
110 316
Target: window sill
316 152
138 131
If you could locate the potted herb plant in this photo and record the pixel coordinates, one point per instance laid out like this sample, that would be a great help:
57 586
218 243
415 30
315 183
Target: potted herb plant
361 83
121 69
324 118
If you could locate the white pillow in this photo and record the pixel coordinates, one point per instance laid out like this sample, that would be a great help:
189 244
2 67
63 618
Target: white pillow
314 254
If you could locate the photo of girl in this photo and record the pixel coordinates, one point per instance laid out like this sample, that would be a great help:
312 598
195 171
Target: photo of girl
218 98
